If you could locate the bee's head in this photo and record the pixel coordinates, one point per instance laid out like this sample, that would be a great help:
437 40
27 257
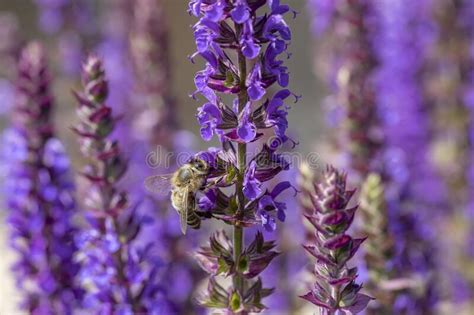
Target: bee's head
199 165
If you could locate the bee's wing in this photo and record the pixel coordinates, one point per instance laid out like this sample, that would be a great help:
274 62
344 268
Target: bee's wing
184 208
159 184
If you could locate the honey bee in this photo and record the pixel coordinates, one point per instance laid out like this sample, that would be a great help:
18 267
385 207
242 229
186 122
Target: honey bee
184 183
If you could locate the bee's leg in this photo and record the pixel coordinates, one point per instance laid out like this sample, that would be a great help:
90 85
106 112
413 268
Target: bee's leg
211 183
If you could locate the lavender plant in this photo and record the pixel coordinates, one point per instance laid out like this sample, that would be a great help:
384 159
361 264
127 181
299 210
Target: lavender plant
241 48
326 208
415 193
120 273
370 42
379 247
39 195
153 125
348 29
150 55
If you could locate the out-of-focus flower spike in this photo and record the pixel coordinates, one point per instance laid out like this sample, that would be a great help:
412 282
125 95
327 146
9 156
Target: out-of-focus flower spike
379 248
39 193
416 195
150 55
353 61
450 67
110 252
335 289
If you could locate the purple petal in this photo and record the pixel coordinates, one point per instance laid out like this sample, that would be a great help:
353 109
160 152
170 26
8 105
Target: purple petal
216 12
250 49
246 129
280 187
252 190
208 201
268 221
247 132
240 14
281 215
206 132
256 92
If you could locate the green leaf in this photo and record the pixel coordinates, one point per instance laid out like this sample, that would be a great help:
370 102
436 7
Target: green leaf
229 79
243 264
235 301
223 267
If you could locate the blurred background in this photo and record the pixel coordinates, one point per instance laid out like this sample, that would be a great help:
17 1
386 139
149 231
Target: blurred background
328 61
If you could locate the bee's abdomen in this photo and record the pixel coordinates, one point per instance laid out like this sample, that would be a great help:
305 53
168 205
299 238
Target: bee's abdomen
194 221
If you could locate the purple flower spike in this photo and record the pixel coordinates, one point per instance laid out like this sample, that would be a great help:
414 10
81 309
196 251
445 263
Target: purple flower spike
352 53
416 196
243 43
221 73
110 251
39 195
335 289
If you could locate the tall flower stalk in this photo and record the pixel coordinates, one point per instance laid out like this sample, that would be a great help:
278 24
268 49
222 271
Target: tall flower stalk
151 62
415 193
39 194
119 272
326 208
379 247
448 87
348 29
241 48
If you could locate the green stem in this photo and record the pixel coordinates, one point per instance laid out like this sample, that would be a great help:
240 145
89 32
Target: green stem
237 279
238 240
